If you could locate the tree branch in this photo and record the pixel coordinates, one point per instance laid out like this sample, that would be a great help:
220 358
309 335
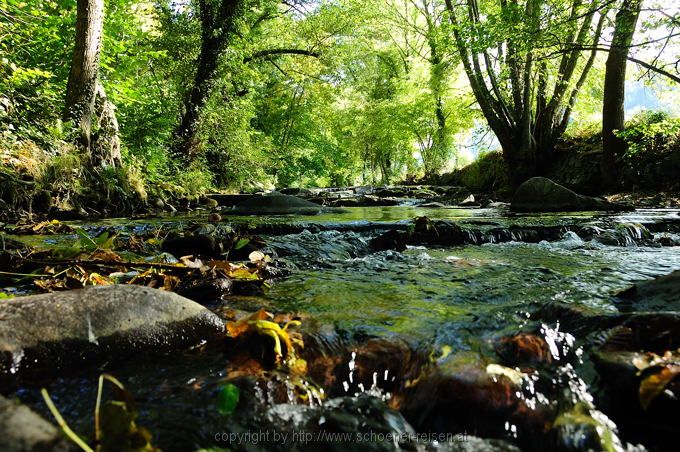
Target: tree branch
644 64
270 52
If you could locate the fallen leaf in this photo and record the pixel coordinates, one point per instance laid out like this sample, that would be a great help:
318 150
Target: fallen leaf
227 399
655 383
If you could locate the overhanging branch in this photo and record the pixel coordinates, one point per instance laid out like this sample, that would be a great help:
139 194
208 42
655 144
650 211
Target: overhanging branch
271 52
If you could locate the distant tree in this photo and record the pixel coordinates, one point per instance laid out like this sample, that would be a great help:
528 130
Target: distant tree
523 62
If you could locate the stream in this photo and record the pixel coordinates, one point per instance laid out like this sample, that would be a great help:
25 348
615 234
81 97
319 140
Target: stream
422 331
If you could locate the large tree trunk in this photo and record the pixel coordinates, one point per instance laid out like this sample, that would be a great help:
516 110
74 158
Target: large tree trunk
82 80
613 118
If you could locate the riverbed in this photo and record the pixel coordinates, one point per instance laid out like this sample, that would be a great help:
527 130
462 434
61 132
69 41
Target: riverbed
449 306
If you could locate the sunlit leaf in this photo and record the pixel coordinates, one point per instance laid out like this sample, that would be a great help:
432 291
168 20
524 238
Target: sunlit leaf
241 243
227 399
655 382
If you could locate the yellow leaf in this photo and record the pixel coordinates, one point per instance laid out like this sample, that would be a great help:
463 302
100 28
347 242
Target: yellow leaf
654 384
513 375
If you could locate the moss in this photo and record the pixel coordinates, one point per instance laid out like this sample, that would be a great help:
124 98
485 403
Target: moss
34 178
487 174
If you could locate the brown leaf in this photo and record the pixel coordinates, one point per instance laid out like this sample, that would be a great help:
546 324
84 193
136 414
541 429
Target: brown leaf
655 383
106 256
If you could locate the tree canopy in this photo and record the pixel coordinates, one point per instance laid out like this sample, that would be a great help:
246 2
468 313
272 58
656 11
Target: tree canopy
241 93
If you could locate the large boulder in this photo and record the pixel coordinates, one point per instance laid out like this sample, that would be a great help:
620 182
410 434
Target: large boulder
23 430
540 194
278 204
659 294
52 331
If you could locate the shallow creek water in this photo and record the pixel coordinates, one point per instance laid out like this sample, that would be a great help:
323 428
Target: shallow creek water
455 301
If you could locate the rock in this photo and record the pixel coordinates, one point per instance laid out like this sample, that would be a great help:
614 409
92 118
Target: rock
159 203
469 202
277 204
364 190
23 430
391 192
206 290
68 214
383 364
540 194
432 204
197 245
436 233
464 394
523 349
53 330
209 202
583 428
365 421
339 194
423 193
638 367
363 201
391 240
296 191
498 205
658 294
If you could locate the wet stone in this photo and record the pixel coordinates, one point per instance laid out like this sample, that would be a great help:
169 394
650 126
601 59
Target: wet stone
23 430
277 204
45 333
658 294
202 291
540 194
523 349
192 245
461 396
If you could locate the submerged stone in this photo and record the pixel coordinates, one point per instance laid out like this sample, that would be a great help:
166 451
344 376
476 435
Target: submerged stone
522 349
53 330
196 245
23 430
464 394
540 194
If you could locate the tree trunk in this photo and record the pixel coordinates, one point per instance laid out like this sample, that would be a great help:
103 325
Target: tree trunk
105 148
82 80
613 117
217 23
185 135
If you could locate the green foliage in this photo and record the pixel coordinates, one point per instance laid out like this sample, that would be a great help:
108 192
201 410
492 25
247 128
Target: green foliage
379 96
194 181
486 174
227 399
651 132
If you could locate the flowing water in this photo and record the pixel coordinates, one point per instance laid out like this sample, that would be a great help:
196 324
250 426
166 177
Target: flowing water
451 302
